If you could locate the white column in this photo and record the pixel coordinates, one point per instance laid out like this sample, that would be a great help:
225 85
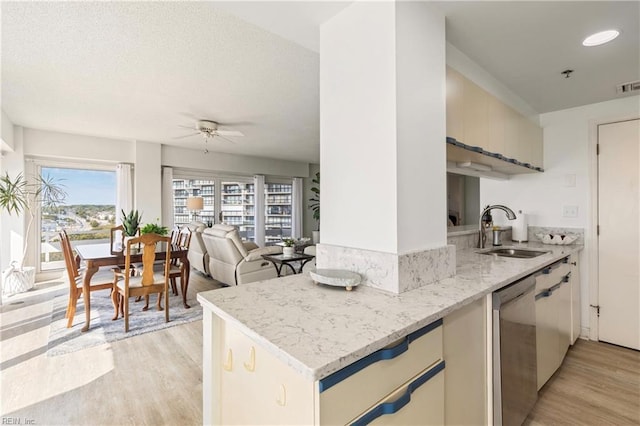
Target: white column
259 212
382 146
147 180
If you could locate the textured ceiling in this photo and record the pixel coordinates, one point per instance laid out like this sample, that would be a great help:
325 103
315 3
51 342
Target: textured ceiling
140 70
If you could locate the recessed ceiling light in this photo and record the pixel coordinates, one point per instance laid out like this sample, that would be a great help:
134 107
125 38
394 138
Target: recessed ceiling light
600 38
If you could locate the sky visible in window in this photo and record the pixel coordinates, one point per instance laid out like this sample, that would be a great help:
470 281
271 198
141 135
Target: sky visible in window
95 187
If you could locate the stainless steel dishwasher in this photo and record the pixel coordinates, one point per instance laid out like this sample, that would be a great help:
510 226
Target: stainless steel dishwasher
514 352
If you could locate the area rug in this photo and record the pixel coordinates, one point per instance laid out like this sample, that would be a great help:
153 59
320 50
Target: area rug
64 340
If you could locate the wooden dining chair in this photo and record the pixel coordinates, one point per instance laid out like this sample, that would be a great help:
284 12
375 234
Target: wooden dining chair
145 281
177 268
117 239
101 280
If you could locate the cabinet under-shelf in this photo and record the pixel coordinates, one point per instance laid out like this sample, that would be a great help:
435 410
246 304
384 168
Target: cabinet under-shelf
475 159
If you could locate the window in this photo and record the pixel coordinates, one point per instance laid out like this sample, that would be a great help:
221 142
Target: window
277 203
185 188
88 213
237 207
231 200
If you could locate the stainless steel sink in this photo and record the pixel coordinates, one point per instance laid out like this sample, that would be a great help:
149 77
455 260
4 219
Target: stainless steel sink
514 252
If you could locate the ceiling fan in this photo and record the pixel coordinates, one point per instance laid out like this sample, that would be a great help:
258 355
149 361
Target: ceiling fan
210 129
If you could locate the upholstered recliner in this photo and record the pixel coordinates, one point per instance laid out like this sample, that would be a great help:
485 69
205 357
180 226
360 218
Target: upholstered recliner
198 256
234 262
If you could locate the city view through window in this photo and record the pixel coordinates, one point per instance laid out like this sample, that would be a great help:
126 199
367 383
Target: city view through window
87 214
236 206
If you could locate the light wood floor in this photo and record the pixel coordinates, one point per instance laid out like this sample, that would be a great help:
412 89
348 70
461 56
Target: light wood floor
156 378
150 379
597 384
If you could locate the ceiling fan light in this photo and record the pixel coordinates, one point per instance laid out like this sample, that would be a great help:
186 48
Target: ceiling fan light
600 38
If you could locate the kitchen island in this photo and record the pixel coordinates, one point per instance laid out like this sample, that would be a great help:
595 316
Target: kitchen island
315 331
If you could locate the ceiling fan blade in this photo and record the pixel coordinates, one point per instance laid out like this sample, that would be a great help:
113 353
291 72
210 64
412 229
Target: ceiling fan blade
186 136
228 140
229 133
187 127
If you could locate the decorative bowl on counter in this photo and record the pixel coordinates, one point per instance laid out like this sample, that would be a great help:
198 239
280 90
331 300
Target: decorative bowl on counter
557 239
336 277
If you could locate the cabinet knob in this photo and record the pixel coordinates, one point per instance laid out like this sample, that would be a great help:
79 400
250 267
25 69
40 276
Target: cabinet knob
251 365
574 263
228 365
281 400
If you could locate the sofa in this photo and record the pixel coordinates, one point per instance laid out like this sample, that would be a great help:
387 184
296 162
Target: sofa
198 256
234 262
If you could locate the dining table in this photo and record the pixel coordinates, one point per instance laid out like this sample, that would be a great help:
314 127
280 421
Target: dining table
96 256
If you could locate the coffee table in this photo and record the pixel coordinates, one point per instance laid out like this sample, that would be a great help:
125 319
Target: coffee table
280 260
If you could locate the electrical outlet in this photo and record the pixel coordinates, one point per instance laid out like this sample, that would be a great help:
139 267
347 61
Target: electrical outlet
569 211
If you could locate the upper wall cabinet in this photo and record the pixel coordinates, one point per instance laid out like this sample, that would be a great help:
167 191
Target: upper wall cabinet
509 141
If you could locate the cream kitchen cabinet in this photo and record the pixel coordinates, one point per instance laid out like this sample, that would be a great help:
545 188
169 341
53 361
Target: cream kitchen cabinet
575 297
249 385
477 118
553 317
465 349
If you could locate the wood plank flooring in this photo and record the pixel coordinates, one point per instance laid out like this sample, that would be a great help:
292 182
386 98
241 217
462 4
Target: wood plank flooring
597 384
156 378
150 379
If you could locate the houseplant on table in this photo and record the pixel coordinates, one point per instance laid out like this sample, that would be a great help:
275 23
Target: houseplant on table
131 223
19 196
289 246
314 205
154 228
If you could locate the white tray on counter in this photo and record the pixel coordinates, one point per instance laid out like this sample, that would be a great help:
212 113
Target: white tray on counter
336 278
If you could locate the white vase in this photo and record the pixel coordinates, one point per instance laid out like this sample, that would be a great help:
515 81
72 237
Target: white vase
15 280
288 251
315 237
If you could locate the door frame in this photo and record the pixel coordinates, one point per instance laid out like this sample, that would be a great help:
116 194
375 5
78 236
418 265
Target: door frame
592 234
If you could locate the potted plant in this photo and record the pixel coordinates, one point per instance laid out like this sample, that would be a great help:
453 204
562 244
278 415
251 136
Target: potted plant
289 246
154 228
131 223
19 196
314 205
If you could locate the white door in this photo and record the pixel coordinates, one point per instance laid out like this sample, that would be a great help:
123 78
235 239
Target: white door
619 239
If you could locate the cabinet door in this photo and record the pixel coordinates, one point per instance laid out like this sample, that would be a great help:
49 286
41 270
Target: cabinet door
511 134
547 341
411 405
465 350
237 389
563 295
476 115
498 114
257 388
455 104
575 298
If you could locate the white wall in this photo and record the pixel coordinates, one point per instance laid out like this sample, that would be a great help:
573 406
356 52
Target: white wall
421 105
6 132
569 150
12 227
357 104
238 164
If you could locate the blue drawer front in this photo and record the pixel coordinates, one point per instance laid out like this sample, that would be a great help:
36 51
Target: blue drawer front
395 406
380 355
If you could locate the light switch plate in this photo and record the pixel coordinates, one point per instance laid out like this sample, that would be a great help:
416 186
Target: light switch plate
569 211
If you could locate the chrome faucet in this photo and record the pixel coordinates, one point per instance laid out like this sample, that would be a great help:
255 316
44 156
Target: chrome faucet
482 237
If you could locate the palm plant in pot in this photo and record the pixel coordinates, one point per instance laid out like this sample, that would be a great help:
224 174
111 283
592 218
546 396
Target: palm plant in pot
314 205
18 196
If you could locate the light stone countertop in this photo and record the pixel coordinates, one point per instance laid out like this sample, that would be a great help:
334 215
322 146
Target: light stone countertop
318 329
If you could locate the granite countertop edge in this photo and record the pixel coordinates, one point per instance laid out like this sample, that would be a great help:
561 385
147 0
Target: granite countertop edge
317 330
